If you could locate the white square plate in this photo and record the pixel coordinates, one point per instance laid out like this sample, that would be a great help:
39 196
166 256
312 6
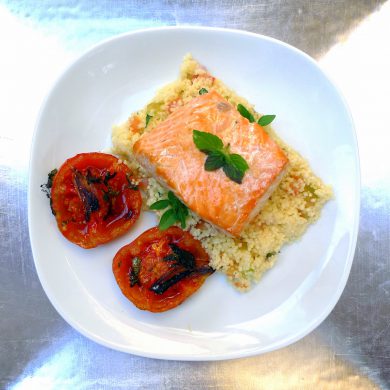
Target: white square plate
119 76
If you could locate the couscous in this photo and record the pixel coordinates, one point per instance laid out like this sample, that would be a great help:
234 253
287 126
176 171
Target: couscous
292 207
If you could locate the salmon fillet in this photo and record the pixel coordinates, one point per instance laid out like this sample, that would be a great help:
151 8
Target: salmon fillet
170 155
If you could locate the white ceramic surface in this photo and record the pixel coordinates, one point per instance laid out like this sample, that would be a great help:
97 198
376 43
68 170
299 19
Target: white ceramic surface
119 76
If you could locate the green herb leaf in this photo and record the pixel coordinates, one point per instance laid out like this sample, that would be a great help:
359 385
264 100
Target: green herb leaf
167 219
202 91
147 119
219 156
160 204
134 272
180 210
50 177
245 113
182 219
183 210
46 188
206 142
266 120
173 199
270 254
181 214
233 173
177 212
238 162
214 161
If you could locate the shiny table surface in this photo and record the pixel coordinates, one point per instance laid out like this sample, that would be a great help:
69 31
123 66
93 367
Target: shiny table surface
349 350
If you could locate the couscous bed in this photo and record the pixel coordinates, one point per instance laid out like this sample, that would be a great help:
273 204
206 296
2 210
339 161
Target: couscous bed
293 206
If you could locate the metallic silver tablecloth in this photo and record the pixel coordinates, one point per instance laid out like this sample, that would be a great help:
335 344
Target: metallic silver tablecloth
350 350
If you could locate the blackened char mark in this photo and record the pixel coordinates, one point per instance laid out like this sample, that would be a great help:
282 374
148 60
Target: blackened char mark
181 257
165 282
88 198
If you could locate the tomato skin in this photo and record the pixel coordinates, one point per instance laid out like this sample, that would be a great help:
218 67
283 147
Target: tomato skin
150 248
92 199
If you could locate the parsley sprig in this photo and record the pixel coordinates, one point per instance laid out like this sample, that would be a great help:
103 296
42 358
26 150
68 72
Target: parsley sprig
263 121
219 156
177 211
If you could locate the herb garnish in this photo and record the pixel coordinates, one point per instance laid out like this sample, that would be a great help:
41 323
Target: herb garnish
147 119
270 254
108 177
46 188
108 196
263 121
266 120
50 178
219 156
177 212
132 186
245 113
135 268
202 91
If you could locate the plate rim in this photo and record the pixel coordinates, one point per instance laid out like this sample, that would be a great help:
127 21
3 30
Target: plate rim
209 356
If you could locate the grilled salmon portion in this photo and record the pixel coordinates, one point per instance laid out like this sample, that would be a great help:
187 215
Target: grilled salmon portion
170 155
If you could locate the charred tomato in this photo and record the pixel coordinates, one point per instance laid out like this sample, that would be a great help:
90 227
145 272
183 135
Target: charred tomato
94 199
161 269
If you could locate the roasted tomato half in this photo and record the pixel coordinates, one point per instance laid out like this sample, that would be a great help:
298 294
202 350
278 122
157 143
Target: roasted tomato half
161 269
93 199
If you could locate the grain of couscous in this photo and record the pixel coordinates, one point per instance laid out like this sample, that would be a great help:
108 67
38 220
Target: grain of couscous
293 206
